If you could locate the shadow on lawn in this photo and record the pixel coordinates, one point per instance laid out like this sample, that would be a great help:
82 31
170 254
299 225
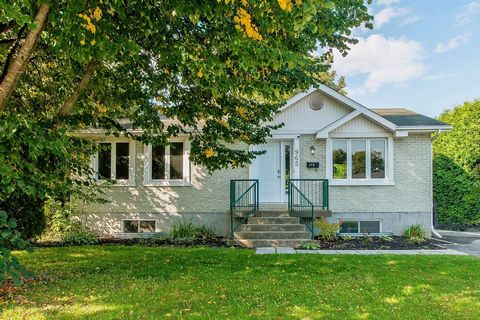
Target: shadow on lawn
117 282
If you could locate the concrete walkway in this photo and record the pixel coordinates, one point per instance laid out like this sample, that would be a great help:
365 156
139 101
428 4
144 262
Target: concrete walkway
466 242
289 250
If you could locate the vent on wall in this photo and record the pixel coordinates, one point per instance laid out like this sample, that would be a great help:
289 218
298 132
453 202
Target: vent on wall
316 101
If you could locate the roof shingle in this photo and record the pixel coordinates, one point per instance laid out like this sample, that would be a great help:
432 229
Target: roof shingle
406 118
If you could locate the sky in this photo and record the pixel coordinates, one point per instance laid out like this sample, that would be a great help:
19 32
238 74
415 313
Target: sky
423 55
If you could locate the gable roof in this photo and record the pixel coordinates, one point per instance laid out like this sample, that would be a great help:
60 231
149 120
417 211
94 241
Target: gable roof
392 119
406 118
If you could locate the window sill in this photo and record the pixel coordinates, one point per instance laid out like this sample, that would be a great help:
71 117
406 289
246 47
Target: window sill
361 182
167 183
118 183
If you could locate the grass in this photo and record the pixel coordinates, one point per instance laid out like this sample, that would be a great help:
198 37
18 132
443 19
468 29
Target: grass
133 282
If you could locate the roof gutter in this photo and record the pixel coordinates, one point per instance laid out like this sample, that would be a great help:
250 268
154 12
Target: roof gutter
436 135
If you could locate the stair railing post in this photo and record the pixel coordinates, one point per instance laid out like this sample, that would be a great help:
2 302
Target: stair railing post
232 199
257 193
313 221
326 194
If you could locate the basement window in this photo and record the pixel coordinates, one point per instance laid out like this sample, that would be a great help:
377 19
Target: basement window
139 226
362 227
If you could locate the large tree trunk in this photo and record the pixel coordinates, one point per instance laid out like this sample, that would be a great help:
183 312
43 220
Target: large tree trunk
17 67
67 107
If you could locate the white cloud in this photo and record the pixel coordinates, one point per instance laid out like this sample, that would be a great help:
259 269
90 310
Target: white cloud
387 2
438 76
409 20
387 14
468 13
454 43
382 61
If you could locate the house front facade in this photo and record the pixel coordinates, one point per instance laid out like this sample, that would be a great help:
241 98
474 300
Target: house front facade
375 163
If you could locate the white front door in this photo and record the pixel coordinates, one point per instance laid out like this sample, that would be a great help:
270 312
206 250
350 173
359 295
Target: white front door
271 170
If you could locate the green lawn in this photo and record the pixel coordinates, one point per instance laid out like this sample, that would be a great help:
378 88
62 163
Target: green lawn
121 282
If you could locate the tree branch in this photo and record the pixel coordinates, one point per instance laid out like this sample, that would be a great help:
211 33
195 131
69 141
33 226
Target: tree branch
11 53
19 63
67 107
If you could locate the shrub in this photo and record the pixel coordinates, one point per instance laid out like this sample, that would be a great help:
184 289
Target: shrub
10 239
311 246
186 229
456 166
328 231
61 227
79 235
415 234
386 238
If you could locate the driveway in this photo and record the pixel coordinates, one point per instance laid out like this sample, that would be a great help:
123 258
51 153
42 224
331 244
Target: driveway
467 242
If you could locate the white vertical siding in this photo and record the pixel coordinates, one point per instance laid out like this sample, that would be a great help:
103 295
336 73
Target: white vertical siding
360 124
300 118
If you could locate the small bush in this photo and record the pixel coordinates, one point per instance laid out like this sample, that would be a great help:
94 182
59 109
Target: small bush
62 228
366 238
79 235
311 246
415 234
328 231
386 238
186 229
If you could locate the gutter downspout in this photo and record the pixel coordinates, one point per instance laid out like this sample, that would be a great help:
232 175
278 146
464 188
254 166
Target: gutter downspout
435 232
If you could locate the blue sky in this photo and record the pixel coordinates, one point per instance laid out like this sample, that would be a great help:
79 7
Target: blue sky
423 55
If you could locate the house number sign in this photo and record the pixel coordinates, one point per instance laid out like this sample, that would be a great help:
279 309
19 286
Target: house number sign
296 158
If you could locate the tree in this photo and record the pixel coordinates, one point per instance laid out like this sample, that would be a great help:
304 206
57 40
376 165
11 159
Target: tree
456 166
220 68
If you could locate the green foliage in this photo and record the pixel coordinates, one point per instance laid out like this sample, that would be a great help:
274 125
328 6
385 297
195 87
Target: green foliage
62 228
386 238
186 229
78 235
311 246
415 234
339 164
456 166
10 239
221 68
328 231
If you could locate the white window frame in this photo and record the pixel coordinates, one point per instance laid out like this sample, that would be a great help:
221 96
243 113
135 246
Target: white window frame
349 181
380 226
184 182
138 220
131 162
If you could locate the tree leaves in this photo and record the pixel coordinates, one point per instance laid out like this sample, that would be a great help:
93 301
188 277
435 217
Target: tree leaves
456 163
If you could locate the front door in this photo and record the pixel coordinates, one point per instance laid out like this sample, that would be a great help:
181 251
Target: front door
271 170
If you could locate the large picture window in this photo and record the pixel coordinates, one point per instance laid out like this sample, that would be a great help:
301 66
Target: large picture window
167 165
114 162
359 159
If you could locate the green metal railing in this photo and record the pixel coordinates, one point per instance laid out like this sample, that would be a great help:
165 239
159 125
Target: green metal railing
305 196
243 201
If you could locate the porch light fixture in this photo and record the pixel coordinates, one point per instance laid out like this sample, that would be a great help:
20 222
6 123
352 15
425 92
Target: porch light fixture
312 150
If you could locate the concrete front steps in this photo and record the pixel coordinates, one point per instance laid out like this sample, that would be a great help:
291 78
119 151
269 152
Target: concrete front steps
272 229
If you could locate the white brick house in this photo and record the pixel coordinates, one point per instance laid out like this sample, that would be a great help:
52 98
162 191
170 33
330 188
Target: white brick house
378 164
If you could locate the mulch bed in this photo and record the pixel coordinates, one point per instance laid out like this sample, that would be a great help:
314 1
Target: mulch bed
214 242
377 243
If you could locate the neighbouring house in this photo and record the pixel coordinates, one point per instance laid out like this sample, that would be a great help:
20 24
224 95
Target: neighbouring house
369 168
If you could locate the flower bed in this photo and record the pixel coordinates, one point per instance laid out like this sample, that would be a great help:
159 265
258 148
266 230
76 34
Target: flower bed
376 243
